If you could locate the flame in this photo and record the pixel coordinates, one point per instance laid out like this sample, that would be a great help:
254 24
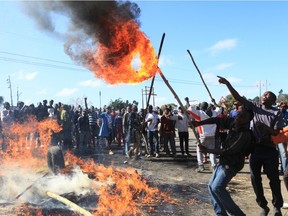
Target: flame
28 141
121 191
114 63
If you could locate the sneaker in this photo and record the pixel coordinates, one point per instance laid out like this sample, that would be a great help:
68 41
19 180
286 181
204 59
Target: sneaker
264 211
111 152
200 168
277 211
157 155
285 206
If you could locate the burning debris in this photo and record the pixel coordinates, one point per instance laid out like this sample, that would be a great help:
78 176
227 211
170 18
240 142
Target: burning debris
96 189
103 36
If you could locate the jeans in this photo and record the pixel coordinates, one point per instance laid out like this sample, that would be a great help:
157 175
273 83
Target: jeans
153 138
282 155
126 142
285 178
220 197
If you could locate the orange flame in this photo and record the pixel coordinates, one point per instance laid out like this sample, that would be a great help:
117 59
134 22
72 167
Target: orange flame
28 141
114 63
122 192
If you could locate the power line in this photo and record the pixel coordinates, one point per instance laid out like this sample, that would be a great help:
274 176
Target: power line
39 64
173 80
33 57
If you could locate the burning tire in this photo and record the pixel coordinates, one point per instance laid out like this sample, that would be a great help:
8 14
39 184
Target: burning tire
55 159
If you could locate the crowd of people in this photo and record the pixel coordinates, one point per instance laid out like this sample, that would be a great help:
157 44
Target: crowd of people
256 128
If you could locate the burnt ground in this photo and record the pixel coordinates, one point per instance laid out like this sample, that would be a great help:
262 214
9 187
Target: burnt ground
178 177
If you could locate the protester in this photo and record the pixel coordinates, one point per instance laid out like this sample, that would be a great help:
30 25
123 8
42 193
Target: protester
206 132
265 154
182 125
118 125
278 138
167 131
134 133
282 147
93 127
83 127
106 129
237 106
126 128
66 124
152 120
231 161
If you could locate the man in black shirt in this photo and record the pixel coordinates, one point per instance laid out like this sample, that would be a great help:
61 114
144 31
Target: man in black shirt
231 161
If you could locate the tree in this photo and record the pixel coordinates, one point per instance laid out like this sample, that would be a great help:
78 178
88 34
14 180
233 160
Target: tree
229 101
1 100
118 104
282 98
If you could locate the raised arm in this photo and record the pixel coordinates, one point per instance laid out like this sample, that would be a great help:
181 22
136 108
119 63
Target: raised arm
233 92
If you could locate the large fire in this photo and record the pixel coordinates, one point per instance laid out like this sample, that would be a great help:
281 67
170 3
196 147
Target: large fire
120 191
104 36
114 64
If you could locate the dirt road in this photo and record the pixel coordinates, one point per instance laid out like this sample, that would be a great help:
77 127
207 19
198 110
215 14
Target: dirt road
189 188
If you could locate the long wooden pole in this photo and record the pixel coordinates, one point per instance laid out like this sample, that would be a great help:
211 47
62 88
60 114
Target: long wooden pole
68 203
151 87
152 82
212 99
179 102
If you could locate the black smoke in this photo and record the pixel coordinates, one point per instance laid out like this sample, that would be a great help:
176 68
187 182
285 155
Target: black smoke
90 22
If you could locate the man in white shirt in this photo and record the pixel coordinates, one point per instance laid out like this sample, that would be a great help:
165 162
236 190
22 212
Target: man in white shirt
152 120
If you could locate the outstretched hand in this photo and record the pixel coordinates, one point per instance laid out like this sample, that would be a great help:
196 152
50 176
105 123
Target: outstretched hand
222 80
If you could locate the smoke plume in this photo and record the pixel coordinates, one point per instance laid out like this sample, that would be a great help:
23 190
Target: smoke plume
98 32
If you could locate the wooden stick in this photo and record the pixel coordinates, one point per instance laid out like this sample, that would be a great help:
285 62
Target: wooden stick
151 87
212 99
30 186
68 203
179 101
152 82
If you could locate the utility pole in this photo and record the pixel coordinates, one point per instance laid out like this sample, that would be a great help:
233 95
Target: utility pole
100 98
146 93
18 94
10 87
142 93
260 88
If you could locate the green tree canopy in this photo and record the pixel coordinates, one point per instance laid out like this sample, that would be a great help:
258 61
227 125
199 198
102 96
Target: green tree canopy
118 104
